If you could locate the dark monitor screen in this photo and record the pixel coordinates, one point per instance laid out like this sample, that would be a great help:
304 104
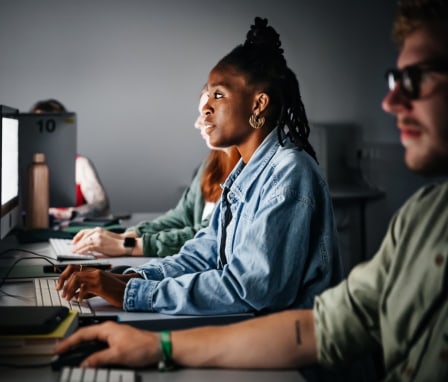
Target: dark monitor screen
53 134
9 190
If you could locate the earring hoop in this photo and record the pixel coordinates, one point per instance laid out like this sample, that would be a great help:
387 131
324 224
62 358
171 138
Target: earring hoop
256 121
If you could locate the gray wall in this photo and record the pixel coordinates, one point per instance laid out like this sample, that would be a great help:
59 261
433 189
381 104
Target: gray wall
132 71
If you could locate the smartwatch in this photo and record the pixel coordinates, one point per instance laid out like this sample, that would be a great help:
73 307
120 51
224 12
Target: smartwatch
129 242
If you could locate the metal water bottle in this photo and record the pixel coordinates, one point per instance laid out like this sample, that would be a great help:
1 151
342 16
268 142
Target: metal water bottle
38 195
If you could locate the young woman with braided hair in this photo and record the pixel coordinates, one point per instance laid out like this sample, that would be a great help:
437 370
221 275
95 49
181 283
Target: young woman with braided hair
271 242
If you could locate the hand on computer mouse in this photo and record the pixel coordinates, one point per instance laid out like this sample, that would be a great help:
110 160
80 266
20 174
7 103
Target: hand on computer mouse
75 355
127 346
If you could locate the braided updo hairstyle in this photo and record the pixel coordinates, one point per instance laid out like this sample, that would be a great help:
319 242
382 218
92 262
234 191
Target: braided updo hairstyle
260 59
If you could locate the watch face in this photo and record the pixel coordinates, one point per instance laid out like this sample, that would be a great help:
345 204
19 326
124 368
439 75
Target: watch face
129 242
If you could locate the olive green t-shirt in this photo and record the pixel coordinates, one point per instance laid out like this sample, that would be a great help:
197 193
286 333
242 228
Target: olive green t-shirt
396 302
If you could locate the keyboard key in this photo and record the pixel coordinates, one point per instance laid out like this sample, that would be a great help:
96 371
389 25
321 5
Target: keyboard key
101 375
47 295
121 376
77 374
89 375
62 249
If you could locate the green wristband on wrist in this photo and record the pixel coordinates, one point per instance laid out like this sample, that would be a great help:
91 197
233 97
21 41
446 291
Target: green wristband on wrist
166 363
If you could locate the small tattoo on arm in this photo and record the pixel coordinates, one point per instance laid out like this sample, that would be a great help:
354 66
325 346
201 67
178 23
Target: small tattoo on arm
298 335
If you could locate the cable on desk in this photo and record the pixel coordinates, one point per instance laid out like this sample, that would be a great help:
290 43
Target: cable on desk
24 366
26 251
34 257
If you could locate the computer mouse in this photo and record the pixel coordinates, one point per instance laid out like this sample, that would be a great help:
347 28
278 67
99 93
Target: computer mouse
119 269
75 355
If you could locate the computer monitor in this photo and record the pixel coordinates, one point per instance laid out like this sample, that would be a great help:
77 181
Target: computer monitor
336 146
53 134
9 190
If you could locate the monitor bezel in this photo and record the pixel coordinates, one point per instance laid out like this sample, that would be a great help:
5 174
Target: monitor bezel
10 211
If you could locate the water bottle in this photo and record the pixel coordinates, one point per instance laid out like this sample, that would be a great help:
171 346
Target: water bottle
38 195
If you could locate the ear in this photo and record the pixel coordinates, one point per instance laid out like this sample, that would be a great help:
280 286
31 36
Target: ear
261 102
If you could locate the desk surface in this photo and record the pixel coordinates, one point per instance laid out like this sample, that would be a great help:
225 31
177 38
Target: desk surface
22 293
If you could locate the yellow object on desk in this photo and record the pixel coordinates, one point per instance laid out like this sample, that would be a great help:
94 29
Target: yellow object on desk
38 344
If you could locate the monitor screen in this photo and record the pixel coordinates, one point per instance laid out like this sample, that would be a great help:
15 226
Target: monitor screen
9 169
336 146
53 134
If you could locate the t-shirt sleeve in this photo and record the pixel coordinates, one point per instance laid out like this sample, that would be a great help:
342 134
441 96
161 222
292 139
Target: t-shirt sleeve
347 317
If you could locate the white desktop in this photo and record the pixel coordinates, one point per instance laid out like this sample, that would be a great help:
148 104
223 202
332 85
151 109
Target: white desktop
9 190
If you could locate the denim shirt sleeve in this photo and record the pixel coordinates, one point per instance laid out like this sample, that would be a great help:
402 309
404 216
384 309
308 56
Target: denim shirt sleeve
197 255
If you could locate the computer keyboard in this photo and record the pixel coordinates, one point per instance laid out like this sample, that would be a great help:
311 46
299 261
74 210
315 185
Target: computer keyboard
77 374
47 295
62 250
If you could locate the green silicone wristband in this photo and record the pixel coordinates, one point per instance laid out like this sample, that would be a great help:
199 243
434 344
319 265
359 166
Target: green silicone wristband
166 363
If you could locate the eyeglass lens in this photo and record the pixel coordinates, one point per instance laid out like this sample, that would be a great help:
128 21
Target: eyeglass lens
411 76
409 79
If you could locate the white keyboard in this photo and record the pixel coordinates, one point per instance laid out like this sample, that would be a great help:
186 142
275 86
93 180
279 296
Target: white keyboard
47 295
62 250
77 374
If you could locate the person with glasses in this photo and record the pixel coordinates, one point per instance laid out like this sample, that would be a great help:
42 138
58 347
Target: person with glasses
396 304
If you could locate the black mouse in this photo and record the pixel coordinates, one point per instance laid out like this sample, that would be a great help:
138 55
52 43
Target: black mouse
75 355
119 269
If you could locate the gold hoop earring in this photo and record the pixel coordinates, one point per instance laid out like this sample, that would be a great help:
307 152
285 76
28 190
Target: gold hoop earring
256 122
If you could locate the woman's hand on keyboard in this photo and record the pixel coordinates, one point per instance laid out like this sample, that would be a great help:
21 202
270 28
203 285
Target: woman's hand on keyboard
84 283
102 241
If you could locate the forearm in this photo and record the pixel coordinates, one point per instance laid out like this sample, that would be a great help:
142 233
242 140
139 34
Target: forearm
167 242
281 340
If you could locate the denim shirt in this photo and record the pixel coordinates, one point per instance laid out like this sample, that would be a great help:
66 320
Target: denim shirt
281 244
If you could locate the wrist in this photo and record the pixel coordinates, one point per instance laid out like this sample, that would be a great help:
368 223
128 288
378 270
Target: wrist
129 245
166 351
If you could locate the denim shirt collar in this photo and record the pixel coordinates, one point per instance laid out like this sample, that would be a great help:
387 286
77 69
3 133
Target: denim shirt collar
238 185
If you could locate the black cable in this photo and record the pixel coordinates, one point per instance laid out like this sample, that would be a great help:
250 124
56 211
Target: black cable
24 366
35 256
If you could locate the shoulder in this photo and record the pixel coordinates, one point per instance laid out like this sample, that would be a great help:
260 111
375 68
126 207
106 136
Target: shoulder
426 207
296 165
83 161
428 197
294 174
84 166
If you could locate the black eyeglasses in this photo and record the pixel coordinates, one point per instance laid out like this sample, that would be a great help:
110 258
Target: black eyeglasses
410 77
